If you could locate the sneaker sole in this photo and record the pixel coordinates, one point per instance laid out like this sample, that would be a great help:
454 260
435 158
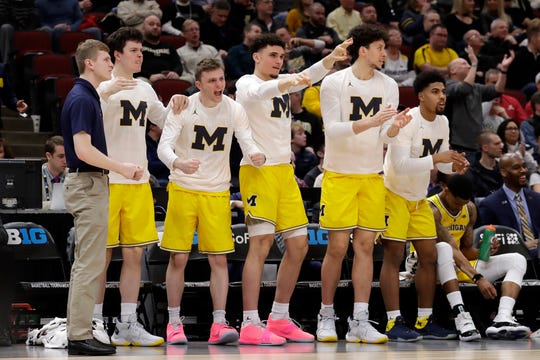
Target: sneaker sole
177 342
474 337
156 343
434 337
118 343
227 338
327 339
354 339
240 342
405 340
508 335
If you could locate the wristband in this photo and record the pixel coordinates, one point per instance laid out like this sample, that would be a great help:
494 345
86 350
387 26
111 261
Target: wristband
477 278
474 65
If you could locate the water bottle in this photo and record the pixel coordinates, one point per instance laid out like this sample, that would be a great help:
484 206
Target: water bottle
485 246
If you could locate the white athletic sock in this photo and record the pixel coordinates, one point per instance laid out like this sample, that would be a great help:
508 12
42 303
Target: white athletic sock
506 306
174 315
360 307
128 312
454 298
423 312
393 314
219 316
279 310
327 310
251 316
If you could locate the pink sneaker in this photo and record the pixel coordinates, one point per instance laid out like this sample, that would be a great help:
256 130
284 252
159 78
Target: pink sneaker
175 335
289 330
258 334
222 334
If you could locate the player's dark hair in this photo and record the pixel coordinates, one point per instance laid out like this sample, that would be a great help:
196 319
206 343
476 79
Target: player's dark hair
425 78
460 186
117 40
264 40
364 35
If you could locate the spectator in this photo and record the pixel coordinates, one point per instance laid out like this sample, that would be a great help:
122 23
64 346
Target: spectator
160 60
156 168
510 135
305 159
343 19
464 98
264 10
15 16
476 41
298 15
510 104
316 29
500 41
430 18
133 12
240 11
313 174
514 205
194 50
435 55
5 150
311 123
460 20
397 64
493 9
239 60
528 106
368 14
59 16
527 63
53 171
216 31
7 95
531 127
411 22
178 11
484 172
299 51
520 11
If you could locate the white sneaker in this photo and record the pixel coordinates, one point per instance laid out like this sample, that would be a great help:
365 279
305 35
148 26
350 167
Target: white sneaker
133 333
99 331
534 335
506 327
361 330
465 326
326 328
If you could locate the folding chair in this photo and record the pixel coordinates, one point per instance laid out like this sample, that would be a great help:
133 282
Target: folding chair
166 88
69 41
177 41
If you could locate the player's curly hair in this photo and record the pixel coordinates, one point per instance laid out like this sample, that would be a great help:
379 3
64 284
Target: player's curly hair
364 35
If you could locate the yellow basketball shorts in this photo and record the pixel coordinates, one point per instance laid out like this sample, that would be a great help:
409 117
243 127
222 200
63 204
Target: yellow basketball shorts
408 220
270 193
131 216
207 212
351 201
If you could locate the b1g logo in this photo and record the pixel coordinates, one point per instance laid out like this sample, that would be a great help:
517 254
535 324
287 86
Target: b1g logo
26 236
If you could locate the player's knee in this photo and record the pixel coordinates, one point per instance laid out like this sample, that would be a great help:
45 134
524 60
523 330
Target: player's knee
519 263
444 253
178 260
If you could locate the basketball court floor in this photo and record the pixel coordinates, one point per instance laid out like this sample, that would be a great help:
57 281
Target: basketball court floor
423 350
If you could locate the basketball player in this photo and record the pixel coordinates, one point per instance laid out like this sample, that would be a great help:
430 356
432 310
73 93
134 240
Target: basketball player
195 145
271 196
457 260
420 147
355 103
131 209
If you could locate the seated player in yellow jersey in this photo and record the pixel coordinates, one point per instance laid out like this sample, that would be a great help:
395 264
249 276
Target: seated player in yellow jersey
457 260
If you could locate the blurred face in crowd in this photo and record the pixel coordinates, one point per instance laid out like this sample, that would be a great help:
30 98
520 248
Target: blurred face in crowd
219 16
57 160
151 28
369 14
